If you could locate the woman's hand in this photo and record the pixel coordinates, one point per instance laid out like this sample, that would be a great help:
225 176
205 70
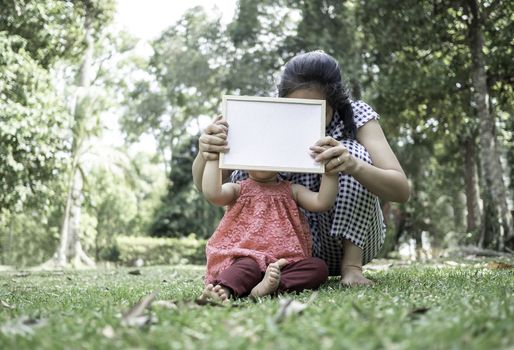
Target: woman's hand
213 140
334 155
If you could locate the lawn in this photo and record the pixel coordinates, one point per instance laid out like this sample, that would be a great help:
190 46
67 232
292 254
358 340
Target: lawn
448 305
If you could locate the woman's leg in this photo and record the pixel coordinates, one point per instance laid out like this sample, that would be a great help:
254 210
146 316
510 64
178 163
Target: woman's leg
351 266
353 232
308 273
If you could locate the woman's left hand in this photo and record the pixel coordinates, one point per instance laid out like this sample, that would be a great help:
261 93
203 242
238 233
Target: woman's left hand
334 155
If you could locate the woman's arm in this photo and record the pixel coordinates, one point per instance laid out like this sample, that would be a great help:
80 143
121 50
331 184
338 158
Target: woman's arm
212 187
211 143
318 201
385 177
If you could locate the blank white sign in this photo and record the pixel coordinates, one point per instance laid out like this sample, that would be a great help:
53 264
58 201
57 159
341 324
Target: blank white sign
272 133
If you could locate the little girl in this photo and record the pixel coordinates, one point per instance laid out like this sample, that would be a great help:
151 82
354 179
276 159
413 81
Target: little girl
263 243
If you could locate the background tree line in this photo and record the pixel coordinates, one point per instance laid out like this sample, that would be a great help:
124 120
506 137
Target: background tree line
439 73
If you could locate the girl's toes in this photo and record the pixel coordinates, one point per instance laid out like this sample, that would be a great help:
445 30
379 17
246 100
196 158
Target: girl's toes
281 263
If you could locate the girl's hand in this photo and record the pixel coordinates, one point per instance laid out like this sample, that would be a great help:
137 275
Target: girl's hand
214 139
334 155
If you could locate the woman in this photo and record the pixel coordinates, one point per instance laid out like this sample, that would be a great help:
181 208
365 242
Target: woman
355 147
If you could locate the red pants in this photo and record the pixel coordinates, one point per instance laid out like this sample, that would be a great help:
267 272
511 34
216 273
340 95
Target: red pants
244 274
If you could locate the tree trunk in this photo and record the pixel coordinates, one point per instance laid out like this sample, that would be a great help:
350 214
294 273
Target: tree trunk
471 184
489 158
70 250
61 256
458 203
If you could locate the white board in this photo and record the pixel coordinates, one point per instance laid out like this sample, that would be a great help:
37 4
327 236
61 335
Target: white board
272 134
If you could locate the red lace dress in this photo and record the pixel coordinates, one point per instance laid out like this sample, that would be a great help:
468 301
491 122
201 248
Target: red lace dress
264 224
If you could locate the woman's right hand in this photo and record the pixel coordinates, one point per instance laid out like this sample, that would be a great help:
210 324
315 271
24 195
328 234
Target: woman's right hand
213 140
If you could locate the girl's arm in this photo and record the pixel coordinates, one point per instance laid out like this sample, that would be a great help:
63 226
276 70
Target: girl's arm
212 141
213 189
318 201
199 170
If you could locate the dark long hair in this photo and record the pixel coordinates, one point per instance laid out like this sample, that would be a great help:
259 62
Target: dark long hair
316 69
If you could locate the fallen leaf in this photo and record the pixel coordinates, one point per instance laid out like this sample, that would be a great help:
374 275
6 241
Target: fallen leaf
498 265
134 272
6 305
136 317
203 302
140 321
289 307
167 304
108 332
22 326
21 274
419 311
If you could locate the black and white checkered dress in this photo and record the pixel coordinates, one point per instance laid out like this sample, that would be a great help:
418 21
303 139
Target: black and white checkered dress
356 215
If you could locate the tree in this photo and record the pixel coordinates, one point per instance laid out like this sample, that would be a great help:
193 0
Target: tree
170 101
34 35
184 210
423 59
33 123
491 165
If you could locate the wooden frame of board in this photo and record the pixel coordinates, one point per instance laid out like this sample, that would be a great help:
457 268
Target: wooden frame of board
273 134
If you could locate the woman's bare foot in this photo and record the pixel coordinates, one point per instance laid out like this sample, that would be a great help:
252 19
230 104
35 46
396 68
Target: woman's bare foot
351 276
271 280
215 293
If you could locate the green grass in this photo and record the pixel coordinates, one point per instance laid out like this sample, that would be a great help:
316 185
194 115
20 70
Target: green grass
467 307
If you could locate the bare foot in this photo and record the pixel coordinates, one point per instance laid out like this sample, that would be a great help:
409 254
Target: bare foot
351 276
271 280
215 293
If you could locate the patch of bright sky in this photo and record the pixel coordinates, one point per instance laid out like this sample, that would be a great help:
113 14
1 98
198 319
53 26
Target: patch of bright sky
146 20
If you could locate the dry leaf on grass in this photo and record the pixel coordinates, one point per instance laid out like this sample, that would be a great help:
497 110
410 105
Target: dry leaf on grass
498 265
22 326
418 311
136 316
108 332
22 274
204 302
289 307
166 304
7 305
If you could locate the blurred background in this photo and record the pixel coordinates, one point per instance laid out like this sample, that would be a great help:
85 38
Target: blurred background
102 104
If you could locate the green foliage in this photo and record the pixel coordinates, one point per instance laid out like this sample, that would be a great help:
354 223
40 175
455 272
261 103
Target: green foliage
36 129
55 29
184 210
120 199
33 126
420 72
29 237
157 251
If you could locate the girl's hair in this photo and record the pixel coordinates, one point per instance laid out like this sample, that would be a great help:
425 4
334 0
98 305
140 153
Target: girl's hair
316 69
